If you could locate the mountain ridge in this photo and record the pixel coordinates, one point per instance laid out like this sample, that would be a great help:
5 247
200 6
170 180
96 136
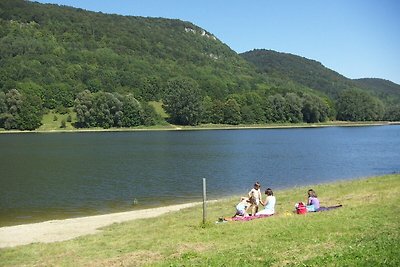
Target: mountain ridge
314 74
148 46
149 43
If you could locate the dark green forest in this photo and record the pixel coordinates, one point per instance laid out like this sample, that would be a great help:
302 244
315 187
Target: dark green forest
377 99
108 67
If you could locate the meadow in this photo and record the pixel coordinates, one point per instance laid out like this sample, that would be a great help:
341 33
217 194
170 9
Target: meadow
364 232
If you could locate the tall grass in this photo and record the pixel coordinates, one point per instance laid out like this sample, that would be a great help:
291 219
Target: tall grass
364 232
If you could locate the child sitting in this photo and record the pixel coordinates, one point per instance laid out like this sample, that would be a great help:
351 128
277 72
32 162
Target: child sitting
312 202
242 206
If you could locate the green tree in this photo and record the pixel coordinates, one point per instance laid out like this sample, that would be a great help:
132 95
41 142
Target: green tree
151 89
315 109
83 106
59 94
183 102
63 124
30 88
276 108
293 108
149 115
102 109
14 102
392 113
3 105
106 110
217 115
357 105
3 109
207 110
251 108
232 113
132 112
377 110
30 113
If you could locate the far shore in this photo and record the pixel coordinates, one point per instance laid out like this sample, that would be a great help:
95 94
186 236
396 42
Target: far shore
210 127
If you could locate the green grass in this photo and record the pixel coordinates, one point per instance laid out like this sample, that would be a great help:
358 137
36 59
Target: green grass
159 109
52 121
364 232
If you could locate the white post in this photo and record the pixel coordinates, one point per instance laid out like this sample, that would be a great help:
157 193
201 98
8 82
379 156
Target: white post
204 200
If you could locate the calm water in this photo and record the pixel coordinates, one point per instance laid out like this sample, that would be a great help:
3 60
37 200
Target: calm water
47 176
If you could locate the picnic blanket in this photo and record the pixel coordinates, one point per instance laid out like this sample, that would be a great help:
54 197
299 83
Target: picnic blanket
249 218
328 208
242 218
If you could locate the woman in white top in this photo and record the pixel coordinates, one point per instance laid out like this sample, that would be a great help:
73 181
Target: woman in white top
269 204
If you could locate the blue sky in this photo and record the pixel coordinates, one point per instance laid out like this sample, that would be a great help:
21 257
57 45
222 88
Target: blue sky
357 38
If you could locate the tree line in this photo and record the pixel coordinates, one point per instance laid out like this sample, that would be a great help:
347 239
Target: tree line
106 110
101 109
18 111
187 104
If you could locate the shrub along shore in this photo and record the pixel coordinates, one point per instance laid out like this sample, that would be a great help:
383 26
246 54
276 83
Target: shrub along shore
364 232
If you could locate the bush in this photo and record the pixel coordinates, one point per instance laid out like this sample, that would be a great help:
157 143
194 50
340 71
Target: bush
63 124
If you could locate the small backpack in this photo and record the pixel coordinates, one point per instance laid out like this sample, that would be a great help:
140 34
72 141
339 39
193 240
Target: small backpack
301 208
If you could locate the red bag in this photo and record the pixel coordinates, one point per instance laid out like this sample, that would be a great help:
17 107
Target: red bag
301 208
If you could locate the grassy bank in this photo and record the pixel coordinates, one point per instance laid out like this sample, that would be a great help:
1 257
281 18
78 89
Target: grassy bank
365 232
50 125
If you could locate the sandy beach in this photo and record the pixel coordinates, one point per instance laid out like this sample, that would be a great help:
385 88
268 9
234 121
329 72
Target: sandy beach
60 230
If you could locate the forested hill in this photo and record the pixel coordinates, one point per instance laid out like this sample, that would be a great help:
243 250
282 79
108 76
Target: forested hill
52 46
383 88
314 75
107 70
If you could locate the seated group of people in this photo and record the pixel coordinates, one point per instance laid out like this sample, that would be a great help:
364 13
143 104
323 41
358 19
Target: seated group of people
248 206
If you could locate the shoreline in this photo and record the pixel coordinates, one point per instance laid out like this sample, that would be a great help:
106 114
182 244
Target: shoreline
66 229
179 239
208 127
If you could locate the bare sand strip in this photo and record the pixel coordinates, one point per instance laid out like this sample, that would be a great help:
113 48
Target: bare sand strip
60 230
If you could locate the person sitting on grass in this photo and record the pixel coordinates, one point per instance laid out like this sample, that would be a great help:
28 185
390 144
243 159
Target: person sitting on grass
269 204
312 201
241 210
242 206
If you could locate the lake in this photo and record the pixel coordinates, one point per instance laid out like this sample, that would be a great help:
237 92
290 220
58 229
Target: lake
62 175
